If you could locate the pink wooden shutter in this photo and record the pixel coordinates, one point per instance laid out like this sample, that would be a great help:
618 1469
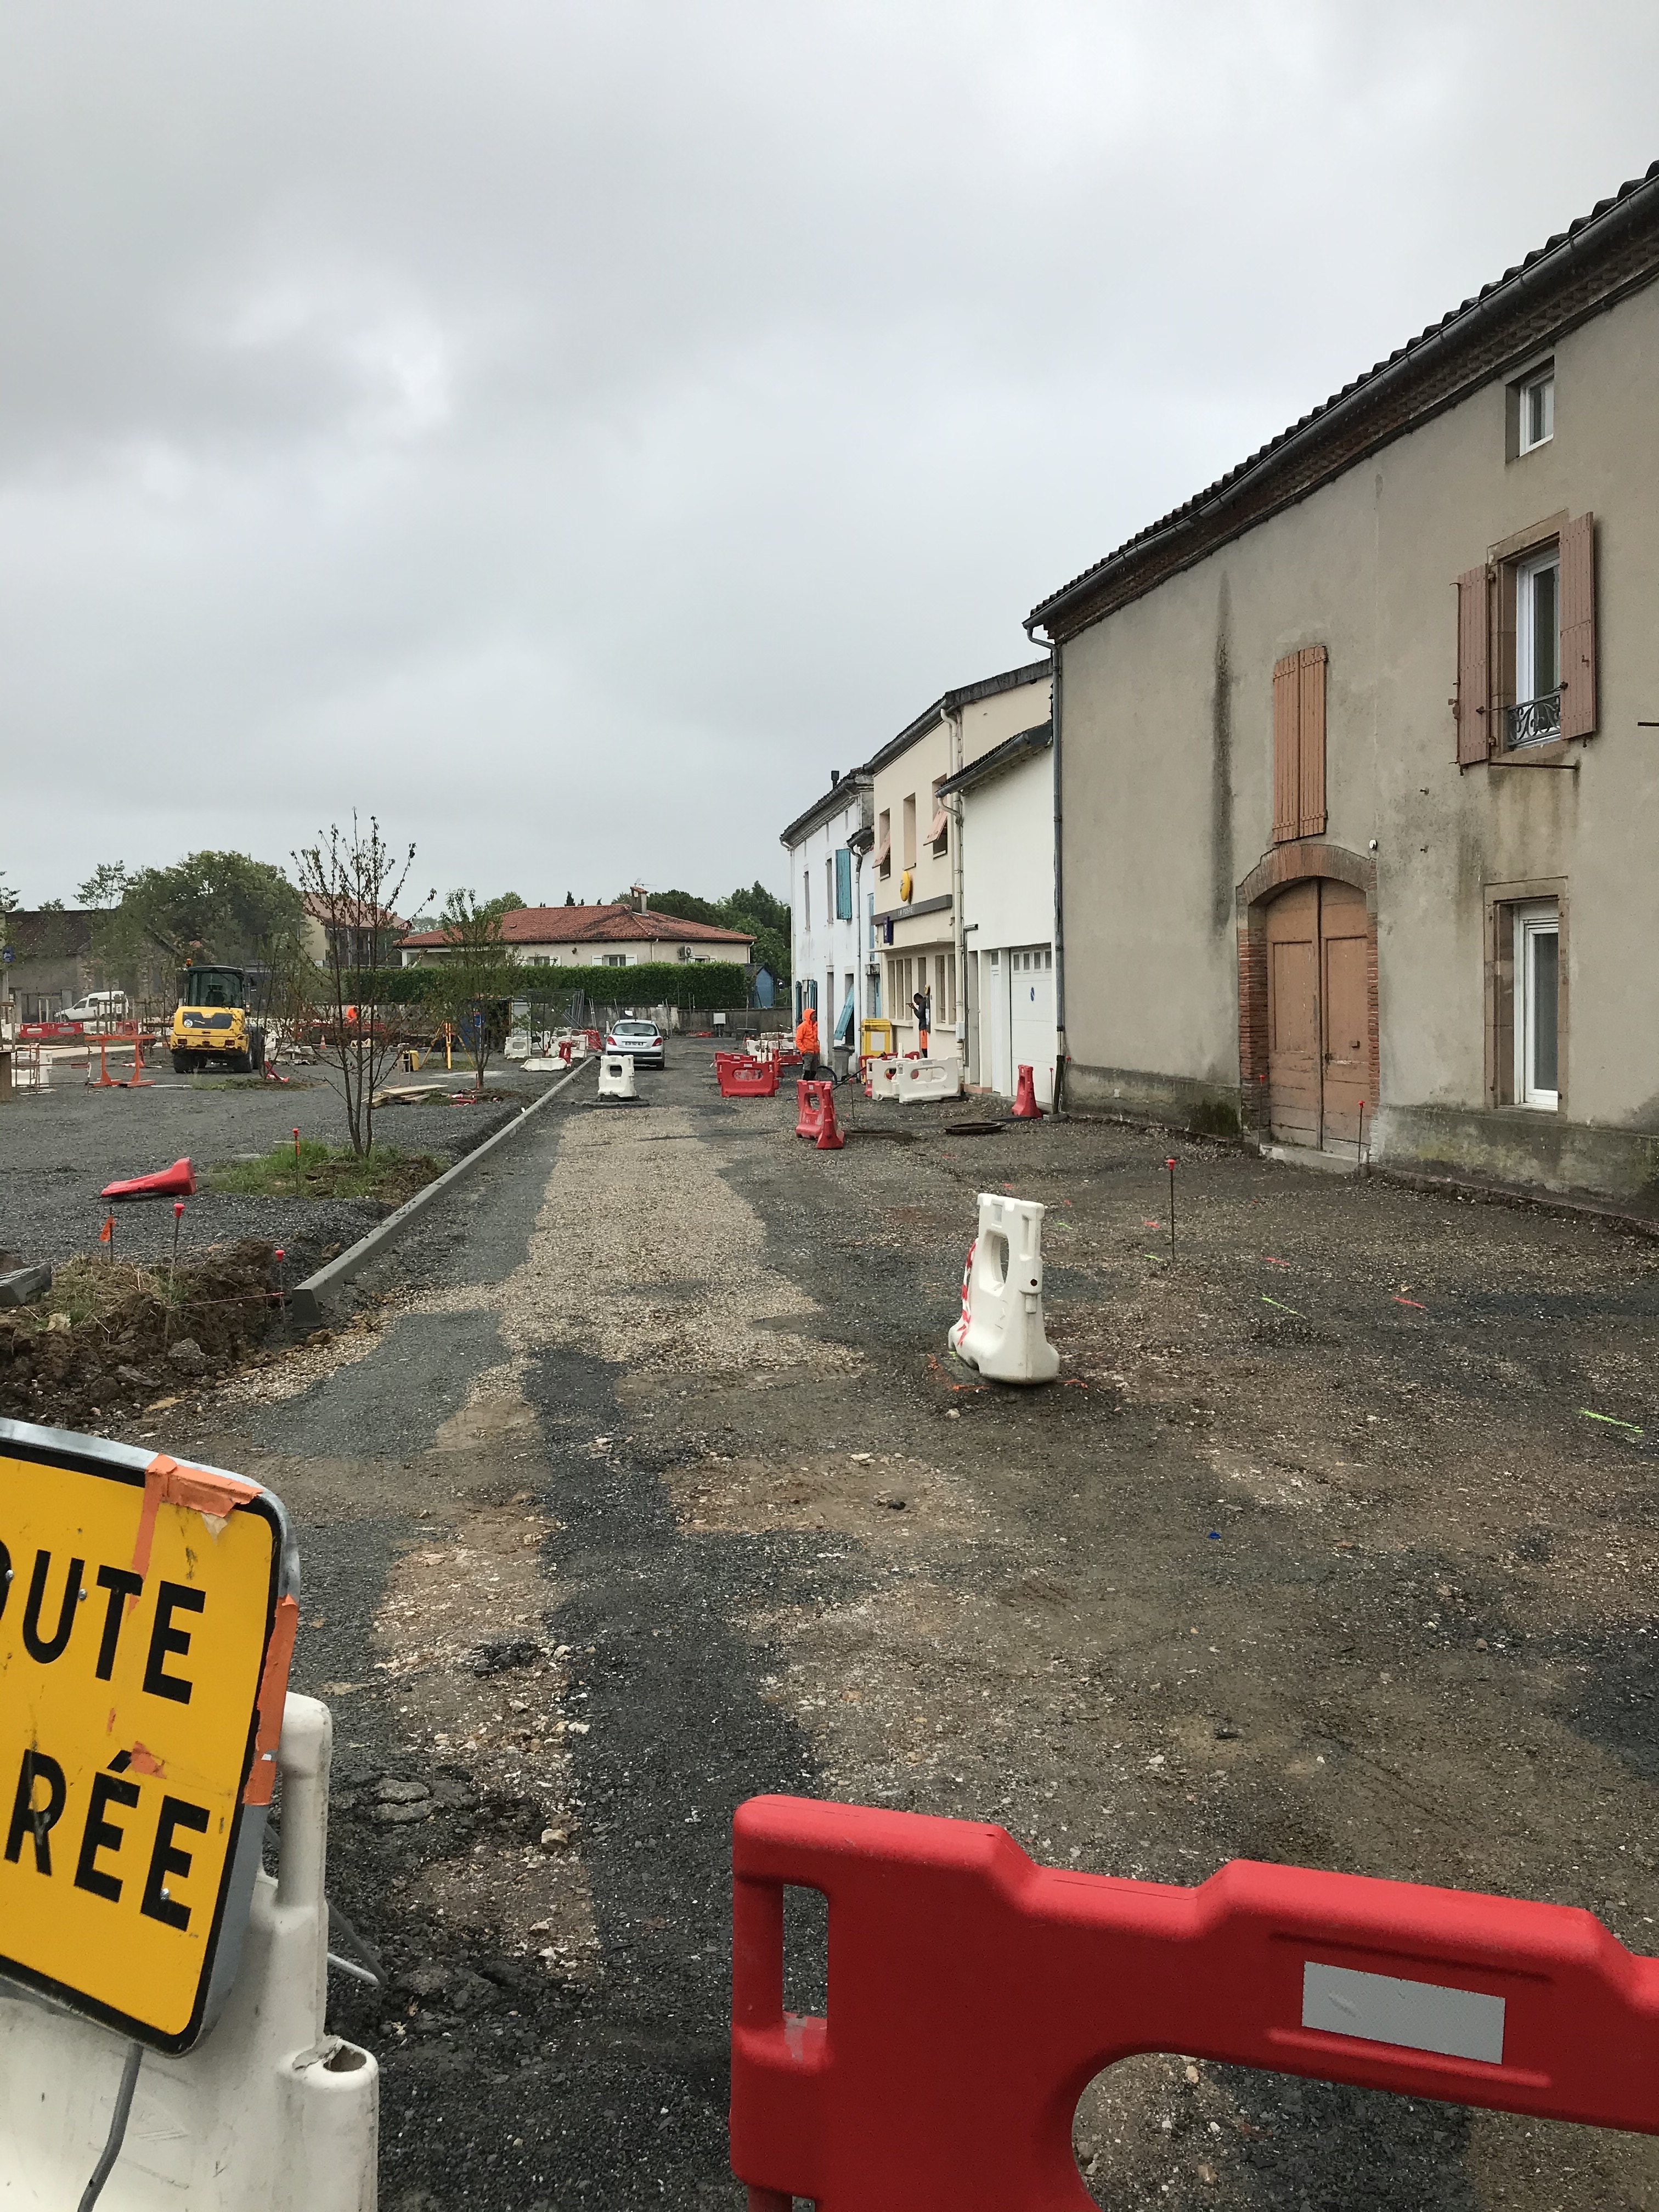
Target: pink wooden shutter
1578 628
1287 772
1472 706
1310 743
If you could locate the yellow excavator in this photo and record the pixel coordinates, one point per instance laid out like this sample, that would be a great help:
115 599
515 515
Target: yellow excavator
214 1023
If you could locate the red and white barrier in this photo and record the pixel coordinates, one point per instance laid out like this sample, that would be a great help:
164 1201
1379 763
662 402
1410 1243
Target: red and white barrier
741 1077
814 1097
1001 1331
974 1996
919 1080
616 1077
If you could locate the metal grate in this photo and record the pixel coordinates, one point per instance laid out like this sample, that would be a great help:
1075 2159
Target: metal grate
1534 721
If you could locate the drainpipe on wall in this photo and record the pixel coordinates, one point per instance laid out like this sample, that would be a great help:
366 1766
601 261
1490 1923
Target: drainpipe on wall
959 932
1059 907
859 956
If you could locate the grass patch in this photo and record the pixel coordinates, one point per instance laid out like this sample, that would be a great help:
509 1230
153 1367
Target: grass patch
250 1083
328 1171
85 1292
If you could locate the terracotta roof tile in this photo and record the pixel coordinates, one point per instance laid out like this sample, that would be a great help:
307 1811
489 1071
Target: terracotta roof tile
595 925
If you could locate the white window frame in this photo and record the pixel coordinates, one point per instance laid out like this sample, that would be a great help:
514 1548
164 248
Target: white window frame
1538 918
1544 383
1526 574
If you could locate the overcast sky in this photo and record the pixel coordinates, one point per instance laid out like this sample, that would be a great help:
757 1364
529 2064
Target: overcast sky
571 430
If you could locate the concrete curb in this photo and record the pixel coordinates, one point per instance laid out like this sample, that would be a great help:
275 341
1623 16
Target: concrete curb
308 1300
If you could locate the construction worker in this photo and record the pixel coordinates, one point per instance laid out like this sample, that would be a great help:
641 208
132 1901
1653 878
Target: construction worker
807 1041
921 1006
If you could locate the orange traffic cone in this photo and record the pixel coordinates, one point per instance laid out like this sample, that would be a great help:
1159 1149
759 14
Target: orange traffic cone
1026 1106
829 1137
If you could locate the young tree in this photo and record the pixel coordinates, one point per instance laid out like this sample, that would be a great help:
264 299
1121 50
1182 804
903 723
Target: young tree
106 887
352 882
208 906
478 972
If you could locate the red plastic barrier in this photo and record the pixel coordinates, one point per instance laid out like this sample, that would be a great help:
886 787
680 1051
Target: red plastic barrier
176 1181
748 1078
973 1997
829 1137
813 1101
1025 1107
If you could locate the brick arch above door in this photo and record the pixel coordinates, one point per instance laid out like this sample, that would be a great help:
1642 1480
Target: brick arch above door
1305 860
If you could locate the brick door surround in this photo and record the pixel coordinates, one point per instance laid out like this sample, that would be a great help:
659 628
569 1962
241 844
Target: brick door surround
1296 862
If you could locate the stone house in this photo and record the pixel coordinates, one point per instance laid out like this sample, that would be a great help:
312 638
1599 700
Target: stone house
1357 755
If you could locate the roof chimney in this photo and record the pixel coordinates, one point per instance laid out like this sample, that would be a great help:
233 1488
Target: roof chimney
640 900
835 777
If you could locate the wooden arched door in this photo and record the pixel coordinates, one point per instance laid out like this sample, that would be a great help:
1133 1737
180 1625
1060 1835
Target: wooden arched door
1318 1020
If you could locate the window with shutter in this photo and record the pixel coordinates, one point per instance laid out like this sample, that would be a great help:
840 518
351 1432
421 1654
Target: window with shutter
1299 744
1473 705
1310 740
1578 628
1287 773
843 883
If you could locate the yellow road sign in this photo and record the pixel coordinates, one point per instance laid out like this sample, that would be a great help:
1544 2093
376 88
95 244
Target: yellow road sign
147 1615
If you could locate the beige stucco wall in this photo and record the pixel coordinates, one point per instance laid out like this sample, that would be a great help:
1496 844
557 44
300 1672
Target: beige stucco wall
1167 735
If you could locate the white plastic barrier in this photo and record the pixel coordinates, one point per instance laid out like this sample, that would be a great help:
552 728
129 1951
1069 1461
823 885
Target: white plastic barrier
617 1075
884 1078
1000 1331
928 1078
269 2113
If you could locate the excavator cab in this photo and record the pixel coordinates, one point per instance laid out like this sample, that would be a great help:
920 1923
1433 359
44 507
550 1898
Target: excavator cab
213 1025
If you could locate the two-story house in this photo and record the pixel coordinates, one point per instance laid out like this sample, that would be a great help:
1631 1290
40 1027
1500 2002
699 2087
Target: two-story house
611 936
828 848
920 923
1357 755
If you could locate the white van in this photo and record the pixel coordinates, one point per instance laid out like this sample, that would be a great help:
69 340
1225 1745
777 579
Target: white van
100 1010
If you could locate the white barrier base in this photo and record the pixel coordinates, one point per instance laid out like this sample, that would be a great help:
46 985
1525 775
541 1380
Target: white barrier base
928 1078
1001 1330
617 1075
269 2113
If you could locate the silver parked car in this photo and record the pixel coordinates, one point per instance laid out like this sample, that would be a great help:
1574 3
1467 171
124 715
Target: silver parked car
643 1040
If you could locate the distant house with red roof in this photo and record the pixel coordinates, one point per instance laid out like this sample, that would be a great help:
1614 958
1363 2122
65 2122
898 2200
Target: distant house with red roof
615 936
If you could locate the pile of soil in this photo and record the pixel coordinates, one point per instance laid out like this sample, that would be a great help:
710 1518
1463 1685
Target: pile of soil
100 1344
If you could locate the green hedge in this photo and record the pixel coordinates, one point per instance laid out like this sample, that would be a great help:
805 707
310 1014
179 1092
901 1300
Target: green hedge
702 984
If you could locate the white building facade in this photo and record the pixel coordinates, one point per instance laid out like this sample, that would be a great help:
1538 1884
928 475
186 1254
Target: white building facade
1005 801
921 909
829 898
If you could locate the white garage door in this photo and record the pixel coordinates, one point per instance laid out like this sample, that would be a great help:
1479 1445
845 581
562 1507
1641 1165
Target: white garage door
1032 1016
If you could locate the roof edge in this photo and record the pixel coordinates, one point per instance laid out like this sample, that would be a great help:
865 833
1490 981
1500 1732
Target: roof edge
949 702
855 780
1225 511
1023 744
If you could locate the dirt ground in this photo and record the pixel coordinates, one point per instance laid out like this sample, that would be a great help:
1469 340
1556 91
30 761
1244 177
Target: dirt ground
652 1485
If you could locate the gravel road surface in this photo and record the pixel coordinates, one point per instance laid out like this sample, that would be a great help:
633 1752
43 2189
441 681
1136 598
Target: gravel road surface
58 1147
648 1486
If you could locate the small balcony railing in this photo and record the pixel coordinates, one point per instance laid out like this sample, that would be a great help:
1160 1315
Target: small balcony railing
1534 721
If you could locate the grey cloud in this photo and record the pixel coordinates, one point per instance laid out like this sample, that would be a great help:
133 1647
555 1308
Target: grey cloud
572 430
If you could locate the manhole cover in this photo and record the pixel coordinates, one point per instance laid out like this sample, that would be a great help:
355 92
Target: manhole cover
974 1128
